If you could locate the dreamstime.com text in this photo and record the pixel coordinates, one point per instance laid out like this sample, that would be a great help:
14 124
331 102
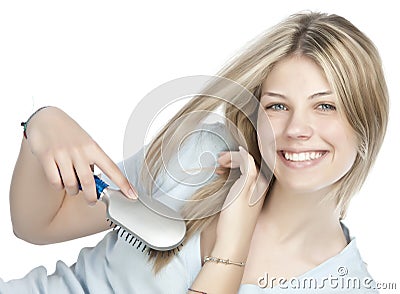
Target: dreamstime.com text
340 281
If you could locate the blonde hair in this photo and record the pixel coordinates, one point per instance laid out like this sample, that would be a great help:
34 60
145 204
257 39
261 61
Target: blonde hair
353 68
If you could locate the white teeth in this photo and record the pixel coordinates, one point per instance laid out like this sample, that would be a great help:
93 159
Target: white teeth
302 156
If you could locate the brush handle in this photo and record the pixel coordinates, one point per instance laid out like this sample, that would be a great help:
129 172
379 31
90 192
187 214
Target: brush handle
100 186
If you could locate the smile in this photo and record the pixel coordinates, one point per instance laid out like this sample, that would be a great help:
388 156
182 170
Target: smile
302 156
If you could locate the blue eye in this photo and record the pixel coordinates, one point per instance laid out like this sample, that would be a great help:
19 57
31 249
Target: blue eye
326 107
277 107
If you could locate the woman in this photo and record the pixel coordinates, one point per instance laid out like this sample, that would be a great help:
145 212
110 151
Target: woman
320 87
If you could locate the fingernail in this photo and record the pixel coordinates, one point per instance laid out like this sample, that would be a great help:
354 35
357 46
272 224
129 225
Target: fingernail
132 194
92 203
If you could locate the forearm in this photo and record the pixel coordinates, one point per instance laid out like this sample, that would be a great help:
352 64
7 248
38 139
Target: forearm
43 214
235 227
33 201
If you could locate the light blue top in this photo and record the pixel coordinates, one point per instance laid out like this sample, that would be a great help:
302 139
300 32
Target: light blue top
114 266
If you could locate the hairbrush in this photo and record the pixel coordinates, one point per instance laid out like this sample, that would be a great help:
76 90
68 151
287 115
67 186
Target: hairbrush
138 224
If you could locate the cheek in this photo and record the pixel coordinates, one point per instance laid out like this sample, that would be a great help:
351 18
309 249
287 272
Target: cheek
266 140
337 132
343 139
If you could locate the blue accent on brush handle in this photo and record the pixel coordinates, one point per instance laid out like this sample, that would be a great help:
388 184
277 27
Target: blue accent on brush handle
100 186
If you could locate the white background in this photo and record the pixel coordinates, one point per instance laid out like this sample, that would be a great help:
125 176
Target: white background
97 59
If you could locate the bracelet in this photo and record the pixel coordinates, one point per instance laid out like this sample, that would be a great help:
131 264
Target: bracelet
25 124
196 291
224 261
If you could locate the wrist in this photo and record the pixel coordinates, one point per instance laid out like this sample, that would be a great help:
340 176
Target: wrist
232 251
26 123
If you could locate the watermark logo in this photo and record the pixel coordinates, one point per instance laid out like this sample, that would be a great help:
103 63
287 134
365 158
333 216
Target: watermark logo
341 280
342 271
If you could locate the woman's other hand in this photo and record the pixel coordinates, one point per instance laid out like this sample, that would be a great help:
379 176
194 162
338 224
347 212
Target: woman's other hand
244 201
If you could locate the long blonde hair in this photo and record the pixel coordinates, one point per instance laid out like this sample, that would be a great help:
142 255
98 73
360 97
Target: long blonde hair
353 68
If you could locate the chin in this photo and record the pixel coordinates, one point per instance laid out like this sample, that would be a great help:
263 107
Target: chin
303 185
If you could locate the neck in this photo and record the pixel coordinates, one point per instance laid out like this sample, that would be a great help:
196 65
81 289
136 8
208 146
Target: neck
301 218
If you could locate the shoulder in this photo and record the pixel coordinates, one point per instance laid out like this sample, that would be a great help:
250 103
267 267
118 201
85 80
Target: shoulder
346 272
354 271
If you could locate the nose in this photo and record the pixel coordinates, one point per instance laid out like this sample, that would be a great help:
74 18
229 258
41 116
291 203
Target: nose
299 127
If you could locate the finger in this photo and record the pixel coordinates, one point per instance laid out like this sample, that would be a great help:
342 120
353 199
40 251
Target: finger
52 173
115 174
224 158
259 191
247 166
244 160
258 186
229 159
85 176
67 173
220 170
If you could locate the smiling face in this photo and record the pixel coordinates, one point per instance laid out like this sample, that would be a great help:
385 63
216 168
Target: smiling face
315 145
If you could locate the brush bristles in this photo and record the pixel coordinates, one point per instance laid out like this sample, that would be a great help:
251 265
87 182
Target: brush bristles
131 239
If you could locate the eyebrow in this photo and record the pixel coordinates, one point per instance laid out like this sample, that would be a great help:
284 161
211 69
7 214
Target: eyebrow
315 95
